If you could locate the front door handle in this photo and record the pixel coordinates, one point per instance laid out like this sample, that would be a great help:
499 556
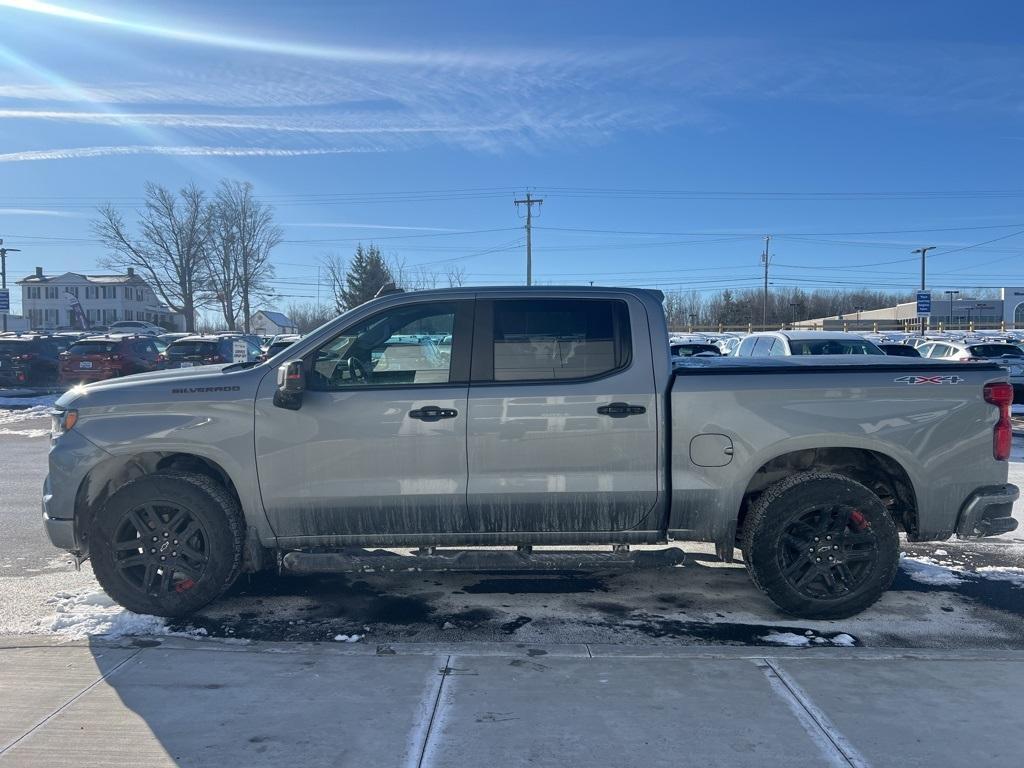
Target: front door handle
621 410
433 413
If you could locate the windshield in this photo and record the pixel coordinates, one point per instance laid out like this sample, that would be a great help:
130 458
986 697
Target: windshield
834 347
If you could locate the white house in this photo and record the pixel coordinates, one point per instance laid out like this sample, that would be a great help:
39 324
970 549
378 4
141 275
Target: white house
49 301
267 323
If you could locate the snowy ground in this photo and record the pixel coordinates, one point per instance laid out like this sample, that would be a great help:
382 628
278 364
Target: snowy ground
951 594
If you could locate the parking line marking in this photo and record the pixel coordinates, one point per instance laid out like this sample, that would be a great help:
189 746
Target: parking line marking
834 746
420 738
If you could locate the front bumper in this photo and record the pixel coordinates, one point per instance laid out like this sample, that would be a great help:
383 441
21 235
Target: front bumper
988 512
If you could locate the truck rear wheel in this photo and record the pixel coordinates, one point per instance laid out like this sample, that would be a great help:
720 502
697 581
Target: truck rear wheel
167 544
820 545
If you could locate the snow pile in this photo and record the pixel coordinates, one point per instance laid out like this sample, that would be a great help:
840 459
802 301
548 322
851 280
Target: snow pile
82 615
28 403
808 638
32 413
347 638
77 616
1003 573
924 570
787 638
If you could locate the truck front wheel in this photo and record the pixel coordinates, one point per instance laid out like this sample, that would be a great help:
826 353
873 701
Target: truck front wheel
167 544
820 545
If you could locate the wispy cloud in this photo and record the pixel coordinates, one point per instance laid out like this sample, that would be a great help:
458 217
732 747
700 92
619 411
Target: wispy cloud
39 212
85 152
271 44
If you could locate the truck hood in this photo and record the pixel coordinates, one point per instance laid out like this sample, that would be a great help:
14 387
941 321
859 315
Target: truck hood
157 386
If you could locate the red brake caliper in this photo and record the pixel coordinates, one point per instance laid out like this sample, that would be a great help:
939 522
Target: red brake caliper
859 522
184 586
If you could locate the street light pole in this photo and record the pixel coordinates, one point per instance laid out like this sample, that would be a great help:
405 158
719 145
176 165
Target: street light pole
951 294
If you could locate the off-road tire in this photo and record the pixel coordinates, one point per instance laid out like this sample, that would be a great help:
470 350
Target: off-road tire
767 544
221 526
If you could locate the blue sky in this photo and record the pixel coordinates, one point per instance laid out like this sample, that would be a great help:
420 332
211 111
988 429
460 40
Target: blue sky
666 138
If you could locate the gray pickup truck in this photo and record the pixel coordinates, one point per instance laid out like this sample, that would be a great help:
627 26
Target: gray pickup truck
548 416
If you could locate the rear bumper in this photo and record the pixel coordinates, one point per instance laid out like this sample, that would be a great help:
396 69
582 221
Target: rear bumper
988 512
86 376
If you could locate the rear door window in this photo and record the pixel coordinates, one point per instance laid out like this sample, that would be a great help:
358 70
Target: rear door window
762 347
558 339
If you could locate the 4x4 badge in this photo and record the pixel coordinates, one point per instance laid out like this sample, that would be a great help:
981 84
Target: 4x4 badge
954 379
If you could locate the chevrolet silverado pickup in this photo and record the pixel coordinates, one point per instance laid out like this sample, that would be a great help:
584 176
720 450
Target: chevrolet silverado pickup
472 423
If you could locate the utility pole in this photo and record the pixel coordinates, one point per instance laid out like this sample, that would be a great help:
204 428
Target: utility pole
529 202
766 259
3 274
923 252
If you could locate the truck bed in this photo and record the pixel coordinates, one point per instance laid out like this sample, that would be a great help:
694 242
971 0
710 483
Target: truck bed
912 426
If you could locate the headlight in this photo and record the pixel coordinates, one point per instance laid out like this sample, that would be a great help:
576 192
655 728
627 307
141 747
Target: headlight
61 422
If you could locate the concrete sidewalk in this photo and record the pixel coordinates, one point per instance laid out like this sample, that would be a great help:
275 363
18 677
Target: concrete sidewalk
181 702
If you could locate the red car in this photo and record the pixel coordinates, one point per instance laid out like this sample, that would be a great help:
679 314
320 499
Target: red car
106 357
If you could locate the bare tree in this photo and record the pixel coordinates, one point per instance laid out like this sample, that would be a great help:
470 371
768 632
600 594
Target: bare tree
222 264
169 249
335 269
307 315
253 236
456 275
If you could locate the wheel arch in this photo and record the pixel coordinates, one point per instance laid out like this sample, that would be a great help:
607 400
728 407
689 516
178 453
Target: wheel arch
877 470
107 477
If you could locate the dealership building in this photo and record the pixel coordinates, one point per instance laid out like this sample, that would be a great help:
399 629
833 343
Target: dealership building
948 310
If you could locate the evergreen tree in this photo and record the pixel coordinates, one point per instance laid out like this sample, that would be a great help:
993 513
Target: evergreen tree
367 274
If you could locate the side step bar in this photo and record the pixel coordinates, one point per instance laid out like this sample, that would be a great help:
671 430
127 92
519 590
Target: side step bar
363 561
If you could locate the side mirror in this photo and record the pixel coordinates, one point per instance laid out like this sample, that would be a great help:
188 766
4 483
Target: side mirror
291 384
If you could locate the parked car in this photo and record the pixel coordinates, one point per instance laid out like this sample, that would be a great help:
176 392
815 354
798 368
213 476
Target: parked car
136 326
1009 356
279 343
97 358
899 350
785 343
192 351
29 361
689 350
555 420
167 338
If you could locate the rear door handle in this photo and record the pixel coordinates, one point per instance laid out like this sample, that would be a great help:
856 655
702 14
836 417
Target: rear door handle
620 410
433 413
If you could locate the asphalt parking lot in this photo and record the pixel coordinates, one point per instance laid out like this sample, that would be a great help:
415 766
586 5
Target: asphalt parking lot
946 595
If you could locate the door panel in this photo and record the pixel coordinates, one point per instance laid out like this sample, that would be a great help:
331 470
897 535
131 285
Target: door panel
378 445
356 462
542 457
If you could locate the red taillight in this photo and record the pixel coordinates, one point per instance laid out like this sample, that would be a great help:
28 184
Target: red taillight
1000 395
